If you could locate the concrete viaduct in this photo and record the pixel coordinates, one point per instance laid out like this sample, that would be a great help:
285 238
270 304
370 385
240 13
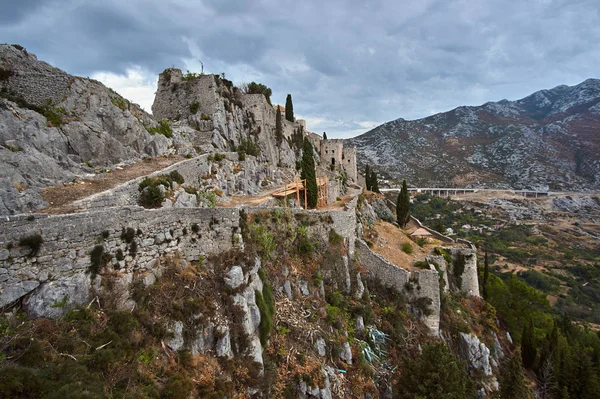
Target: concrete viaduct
447 192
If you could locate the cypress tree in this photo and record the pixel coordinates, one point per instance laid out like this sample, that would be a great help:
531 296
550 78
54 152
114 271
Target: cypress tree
486 275
368 177
512 379
324 136
528 349
308 173
289 108
278 127
374 184
403 206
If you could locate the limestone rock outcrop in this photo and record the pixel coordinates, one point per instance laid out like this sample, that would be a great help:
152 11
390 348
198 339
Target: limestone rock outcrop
53 126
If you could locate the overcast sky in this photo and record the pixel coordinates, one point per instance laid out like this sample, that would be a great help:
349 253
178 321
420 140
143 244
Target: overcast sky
349 65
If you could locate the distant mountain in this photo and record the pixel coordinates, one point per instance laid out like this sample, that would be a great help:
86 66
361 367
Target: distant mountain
548 140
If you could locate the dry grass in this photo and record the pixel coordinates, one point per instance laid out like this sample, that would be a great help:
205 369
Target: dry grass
60 197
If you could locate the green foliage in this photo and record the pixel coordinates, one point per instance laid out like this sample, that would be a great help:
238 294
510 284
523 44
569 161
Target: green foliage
152 197
60 304
512 379
266 304
407 248
459 268
177 387
309 173
12 148
516 302
97 260
217 157
403 206
259 88
264 239
5 74
209 198
205 117
374 180
334 237
176 177
421 264
249 147
541 281
33 241
278 127
289 108
486 277
163 128
194 107
120 102
128 234
435 374
324 136
189 76
528 345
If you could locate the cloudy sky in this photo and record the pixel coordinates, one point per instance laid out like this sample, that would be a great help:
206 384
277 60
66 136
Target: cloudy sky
349 65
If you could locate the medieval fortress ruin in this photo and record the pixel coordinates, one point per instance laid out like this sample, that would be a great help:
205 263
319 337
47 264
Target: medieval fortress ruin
45 258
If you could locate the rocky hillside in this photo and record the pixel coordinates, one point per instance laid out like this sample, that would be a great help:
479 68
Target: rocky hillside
55 127
548 140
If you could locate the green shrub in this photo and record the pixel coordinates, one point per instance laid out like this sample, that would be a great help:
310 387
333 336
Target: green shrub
128 234
334 237
33 241
97 260
163 128
194 107
259 88
421 264
120 102
248 146
189 76
205 117
407 248
13 148
459 268
241 156
5 74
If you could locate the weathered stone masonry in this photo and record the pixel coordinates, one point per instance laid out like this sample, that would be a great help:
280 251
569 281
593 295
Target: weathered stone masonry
69 239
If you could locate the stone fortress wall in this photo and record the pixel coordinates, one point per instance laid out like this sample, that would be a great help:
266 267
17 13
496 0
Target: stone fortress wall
64 256
334 154
37 82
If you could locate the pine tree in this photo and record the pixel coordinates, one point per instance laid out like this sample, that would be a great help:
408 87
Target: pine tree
324 136
403 206
528 348
436 373
308 173
512 379
278 127
486 276
289 108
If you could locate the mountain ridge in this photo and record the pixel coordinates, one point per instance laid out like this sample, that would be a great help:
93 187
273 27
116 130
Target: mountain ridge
547 140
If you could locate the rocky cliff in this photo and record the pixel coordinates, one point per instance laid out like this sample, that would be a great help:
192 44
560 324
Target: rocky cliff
54 126
547 141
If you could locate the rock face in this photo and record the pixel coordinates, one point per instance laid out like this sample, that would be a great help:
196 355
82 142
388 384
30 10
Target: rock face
475 352
212 105
547 140
52 124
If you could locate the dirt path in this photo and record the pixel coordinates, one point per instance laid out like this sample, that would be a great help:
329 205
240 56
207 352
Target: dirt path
59 197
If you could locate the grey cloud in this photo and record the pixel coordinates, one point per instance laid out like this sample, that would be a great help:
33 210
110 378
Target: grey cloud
345 62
